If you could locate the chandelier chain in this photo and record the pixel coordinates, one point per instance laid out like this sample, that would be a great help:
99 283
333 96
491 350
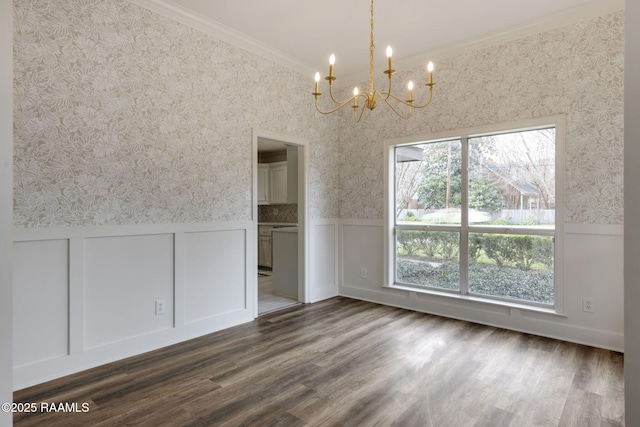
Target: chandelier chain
372 49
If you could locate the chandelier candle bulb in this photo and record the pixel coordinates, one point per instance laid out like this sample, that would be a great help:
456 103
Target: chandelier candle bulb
430 70
317 79
332 61
410 87
355 97
389 53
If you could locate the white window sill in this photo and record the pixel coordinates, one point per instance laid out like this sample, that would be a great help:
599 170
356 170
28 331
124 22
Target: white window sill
509 304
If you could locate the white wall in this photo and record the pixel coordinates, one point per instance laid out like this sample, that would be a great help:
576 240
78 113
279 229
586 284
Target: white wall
632 214
6 201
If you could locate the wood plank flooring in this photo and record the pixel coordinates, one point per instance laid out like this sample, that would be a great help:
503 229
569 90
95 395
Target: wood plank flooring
344 362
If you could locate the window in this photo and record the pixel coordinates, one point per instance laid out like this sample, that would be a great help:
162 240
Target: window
476 215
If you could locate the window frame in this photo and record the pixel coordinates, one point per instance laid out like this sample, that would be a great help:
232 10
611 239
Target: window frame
463 229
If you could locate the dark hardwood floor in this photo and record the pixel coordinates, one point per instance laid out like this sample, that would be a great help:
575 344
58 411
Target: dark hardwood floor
343 362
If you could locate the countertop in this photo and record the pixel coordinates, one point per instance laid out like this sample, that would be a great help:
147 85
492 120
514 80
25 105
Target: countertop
285 230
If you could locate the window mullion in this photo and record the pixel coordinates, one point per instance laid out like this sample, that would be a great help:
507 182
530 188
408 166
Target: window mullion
464 218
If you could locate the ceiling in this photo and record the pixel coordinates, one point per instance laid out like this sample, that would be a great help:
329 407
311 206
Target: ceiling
307 32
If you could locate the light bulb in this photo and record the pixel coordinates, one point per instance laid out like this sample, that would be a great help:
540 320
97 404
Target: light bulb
332 59
410 85
355 91
389 51
430 67
317 77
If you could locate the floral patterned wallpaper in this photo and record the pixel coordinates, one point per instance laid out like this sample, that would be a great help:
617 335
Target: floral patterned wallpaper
122 116
576 70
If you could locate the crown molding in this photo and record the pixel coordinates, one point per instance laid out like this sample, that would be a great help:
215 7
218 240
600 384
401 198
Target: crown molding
570 16
216 29
223 32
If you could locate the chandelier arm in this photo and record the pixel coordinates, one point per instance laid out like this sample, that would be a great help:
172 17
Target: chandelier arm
340 105
357 120
382 94
394 109
388 92
428 101
390 95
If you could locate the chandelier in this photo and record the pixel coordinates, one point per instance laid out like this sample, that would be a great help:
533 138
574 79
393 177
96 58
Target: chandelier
370 98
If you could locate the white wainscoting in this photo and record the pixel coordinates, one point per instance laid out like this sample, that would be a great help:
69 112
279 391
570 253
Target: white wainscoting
123 277
214 274
324 259
40 303
85 296
592 268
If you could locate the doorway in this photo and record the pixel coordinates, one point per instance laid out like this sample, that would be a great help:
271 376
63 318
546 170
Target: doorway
280 222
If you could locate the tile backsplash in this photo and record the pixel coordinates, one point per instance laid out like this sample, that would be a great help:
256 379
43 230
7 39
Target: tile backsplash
278 213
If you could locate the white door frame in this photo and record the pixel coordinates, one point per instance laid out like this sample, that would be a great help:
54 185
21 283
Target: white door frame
304 238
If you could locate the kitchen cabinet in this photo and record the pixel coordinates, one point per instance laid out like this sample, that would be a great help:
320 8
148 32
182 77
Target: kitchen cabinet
285 262
264 251
265 241
263 183
292 174
278 183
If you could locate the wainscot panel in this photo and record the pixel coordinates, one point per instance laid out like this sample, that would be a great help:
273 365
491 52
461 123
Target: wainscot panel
324 260
40 301
214 274
86 296
124 277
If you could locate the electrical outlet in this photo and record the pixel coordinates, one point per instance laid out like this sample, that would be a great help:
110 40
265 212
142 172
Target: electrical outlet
161 306
587 305
363 273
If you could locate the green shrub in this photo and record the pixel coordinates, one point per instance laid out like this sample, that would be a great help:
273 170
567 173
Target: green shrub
498 248
514 250
445 275
543 251
522 251
475 247
446 245
410 241
530 285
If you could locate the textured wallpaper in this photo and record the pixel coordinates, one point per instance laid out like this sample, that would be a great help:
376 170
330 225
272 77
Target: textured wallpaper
576 70
123 116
